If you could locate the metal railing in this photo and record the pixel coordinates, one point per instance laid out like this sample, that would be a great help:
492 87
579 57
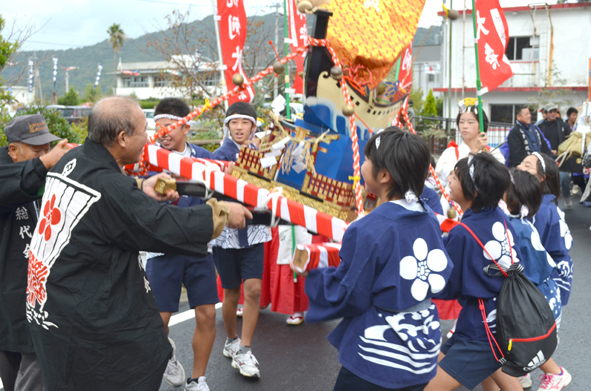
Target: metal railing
440 131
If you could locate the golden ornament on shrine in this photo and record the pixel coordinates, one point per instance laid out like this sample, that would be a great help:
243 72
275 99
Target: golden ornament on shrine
348 110
278 67
304 6
336 73
381 88
238 79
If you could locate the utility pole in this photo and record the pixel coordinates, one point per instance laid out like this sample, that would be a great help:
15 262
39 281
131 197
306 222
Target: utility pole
286 36
37 81
276 6
216 19
68 69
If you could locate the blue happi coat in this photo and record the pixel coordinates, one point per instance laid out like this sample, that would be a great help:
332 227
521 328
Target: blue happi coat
468 281
538 264
557 240
392 262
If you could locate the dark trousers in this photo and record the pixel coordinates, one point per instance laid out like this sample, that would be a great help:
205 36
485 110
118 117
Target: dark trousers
348 381
20 372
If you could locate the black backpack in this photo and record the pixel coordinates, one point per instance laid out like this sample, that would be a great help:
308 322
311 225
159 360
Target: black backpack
526 329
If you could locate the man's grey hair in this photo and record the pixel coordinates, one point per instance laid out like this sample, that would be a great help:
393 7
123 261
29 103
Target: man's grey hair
109 117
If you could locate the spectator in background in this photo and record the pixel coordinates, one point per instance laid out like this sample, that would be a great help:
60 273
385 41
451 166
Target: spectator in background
571 117
544 115
524 138
556 131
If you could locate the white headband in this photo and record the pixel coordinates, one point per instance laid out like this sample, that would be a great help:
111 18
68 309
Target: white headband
541 159
238 116
173 117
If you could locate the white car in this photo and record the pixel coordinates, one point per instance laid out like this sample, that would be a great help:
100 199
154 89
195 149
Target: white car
151 123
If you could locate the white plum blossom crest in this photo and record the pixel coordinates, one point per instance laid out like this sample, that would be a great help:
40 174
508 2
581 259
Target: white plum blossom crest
422 267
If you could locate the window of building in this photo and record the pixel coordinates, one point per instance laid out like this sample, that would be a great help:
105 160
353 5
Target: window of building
507 113
209 79
431 78
135 82
161 82
523 49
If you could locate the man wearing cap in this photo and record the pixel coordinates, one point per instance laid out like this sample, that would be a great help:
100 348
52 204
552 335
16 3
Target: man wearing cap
23 168
91 311
556 131
544 113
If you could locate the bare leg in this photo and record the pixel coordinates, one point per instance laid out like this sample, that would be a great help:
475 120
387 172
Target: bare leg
442 380
252 300
550 366
489 384
231 298
506 382
203 338
166 318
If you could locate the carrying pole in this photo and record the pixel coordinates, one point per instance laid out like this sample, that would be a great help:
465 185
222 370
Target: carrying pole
478 83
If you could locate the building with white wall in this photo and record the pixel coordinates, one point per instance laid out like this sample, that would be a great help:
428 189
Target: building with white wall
426 69
549 46
149 79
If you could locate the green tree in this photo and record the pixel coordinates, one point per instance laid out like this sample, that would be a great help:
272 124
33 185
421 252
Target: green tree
7 49
116 38
71 98
92 95
57 125
416 95
430 108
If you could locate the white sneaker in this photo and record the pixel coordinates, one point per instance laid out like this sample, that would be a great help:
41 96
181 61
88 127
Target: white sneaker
230 349
199 385
247 364
174 373
551 381
525 381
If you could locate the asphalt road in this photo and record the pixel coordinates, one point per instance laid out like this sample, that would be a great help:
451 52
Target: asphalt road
300 357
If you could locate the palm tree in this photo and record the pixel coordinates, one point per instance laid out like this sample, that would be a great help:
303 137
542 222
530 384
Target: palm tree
116 38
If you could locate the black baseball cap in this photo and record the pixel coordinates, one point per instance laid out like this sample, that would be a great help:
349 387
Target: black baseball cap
29 129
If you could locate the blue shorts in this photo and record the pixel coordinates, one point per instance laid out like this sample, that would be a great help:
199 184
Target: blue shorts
168 273
468 361
237 265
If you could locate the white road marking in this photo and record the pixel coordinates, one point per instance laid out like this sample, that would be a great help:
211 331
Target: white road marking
184 316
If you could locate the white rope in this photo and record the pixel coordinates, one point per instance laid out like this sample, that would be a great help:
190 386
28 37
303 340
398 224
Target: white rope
274 196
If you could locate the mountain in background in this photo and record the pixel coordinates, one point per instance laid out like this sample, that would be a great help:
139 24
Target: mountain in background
137 50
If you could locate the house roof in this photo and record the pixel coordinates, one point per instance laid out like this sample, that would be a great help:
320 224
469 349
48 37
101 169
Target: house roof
527 8
428 53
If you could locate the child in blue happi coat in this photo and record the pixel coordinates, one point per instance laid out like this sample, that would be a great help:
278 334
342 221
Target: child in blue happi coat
523 200
392 263
549 221
477 184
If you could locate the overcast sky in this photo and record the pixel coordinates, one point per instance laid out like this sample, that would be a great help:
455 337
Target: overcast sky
67 24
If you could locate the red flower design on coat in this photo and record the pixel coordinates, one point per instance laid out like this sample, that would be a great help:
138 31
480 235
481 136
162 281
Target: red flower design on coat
51 216
37 278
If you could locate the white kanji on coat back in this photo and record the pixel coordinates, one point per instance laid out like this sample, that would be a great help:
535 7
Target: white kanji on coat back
423 268
564 231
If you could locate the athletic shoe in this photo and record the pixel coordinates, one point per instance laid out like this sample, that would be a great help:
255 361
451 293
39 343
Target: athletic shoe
551 381
174 373
239 312
199 385
568 202
295 319
525 381
231 348
247 364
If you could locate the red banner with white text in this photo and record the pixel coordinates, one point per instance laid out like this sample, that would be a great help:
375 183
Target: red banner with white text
492 36
232 23
405 75
297 34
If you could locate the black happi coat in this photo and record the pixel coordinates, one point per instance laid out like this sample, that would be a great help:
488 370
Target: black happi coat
21 184
93 317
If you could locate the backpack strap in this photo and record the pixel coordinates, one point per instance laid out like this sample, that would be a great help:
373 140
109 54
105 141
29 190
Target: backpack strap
489 333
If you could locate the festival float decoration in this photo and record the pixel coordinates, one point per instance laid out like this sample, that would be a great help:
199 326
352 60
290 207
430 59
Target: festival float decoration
307 172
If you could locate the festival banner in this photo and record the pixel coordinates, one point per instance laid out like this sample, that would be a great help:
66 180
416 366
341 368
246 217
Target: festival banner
54 72
31 77
298 32
232 22
492 38
405 76
98 75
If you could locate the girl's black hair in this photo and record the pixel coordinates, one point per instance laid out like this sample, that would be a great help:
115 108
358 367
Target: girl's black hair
491 180
406 156
172 106
484 119
527 190
550 176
